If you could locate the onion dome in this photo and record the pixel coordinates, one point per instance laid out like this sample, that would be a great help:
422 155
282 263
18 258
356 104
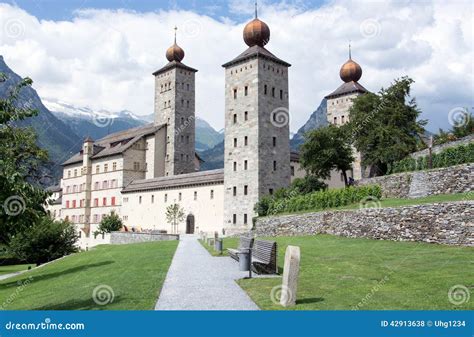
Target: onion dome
350 71
256 32
175 52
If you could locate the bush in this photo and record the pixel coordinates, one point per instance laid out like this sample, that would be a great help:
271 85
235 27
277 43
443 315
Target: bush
110 223
45 241
319 200
462 154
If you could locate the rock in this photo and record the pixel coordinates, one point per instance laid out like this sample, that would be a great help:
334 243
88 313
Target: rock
291 270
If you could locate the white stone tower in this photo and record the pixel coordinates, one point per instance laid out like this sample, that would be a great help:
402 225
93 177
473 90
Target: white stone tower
257 150
339 103
175 107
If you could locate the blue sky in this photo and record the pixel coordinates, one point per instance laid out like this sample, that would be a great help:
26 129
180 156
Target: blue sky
64 9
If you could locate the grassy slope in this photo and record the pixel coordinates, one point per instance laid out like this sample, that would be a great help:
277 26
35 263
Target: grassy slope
14 268
135 272
338 273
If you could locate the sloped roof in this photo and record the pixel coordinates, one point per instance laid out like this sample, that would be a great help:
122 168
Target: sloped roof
255 51
116 143
347 88
181 180
174 64
295 156
54 188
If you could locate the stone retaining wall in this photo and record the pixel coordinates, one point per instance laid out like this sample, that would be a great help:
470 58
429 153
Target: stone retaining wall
453 179
446 223
437 149
120 238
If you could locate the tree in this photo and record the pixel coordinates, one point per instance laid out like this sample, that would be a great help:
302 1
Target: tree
174 215
308 184
46 241
465 126
110 223
326 149
384 126
22 199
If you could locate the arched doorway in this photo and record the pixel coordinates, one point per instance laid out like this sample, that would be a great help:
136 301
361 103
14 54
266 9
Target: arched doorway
190 224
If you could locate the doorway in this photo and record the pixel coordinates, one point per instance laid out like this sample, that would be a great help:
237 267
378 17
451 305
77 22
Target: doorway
190 224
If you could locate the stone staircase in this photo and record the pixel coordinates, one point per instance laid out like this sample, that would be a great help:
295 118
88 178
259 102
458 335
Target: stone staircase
419 185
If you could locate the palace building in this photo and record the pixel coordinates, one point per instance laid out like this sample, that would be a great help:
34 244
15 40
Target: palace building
139 172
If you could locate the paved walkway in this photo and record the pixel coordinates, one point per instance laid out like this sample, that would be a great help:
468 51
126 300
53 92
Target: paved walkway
198 281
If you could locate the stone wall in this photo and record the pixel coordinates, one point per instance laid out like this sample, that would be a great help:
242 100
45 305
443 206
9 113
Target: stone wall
454 179
445 223
437 149
120 238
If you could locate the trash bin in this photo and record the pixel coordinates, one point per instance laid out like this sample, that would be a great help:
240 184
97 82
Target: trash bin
218 245
244 260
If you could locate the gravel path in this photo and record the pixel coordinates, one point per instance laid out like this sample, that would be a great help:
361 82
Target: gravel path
198 281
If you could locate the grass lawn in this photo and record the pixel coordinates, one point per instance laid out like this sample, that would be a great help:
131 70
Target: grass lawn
134 272
338 273
14 268
225 245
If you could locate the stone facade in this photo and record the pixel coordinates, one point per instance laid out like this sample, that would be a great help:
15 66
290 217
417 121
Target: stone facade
120 238
439 148
445 223
448 180
257 151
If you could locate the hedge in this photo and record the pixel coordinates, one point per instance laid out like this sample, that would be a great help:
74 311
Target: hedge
322 199
462 154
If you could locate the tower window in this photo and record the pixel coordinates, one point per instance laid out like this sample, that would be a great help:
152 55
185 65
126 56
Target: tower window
234 219
187 139
246 164
245 219
273 92
187 104
187 86
166 197
180 196
246 189
292 171
281 94
235 142
235 118
212 194
140 199
265 89
274 165
246 90
274 141
235 166
335 120
235 93
270 191
246 115
234 191
246 140
342 119
195 195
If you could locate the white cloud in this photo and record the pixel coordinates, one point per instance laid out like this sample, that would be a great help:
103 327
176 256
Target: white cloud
104 59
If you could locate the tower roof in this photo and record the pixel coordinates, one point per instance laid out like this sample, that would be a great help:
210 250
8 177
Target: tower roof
255 51
351 70
175 52
256 32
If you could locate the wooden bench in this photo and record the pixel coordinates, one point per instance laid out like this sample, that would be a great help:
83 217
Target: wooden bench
264 257
245 243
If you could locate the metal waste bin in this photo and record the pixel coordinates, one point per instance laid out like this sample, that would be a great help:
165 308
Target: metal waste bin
244 260
218 245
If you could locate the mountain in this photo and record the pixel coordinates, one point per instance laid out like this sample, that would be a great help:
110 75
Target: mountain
317 119
53 134
94 123
206 136
213 158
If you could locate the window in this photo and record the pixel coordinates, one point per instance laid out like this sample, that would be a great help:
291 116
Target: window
75 172
235 118
96 202
125 200
114 166
335 120
235 166
245 219
270 191
265 89
74 189
104 184
106 167
234 219
81 203
187 139
246 164
273 92
140 199
180 196
246 90
69 174
195 195
97 169
342 119
235 93
74 204
96 218
104 201
166 197
136 166
292 171
246 140
235 142
96 185
274 141
281 94
246 115
212 194
274 165
112 201
234 191
187 86
246 189
67 203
